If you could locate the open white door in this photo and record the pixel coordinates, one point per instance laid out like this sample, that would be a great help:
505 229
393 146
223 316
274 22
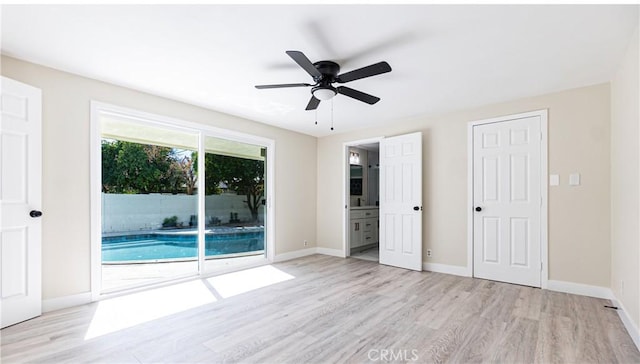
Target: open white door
401 201
20 200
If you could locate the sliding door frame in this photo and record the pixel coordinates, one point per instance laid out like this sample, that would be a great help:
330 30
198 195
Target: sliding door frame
98 109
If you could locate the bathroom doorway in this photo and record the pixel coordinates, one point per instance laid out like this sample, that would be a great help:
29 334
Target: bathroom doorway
384 212
362 191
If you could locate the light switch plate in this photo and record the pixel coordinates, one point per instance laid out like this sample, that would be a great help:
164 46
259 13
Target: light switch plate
554 180
574 179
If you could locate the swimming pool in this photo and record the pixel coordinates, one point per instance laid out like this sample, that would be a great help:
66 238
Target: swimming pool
179 245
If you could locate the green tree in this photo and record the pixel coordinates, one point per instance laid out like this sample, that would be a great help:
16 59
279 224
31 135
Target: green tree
241 175
142 168
110 151
188 171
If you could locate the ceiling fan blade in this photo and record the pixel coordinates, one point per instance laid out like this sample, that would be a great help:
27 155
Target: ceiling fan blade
313 103
358 95
372 70
305 63
260 87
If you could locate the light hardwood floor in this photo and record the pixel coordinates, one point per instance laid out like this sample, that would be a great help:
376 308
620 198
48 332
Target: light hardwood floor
346 310
371 254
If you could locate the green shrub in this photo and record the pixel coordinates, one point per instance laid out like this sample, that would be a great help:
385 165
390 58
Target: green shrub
170 221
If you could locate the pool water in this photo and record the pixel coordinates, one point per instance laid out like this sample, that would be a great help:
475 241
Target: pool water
169 246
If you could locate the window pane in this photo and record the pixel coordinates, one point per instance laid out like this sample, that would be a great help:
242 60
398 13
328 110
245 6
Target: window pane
234 201
149 204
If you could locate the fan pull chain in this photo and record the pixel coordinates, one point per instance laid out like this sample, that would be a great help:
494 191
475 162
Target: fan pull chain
331 114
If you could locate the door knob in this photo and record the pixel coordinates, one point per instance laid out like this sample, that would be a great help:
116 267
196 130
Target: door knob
478 208
35 213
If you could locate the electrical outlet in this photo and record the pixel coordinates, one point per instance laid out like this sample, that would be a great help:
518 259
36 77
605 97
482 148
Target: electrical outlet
428 252
305 243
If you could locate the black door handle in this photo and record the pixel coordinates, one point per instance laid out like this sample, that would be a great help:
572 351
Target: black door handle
478 208
35 213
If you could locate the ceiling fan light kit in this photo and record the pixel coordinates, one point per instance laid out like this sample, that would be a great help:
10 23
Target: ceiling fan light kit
324 93
325 74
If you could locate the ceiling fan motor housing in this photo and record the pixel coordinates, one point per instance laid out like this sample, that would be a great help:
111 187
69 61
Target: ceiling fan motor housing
329 71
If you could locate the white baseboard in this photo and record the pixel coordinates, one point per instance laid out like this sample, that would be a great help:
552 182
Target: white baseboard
580 289
58 303
294 254
309 251
332 252
455 270
628 323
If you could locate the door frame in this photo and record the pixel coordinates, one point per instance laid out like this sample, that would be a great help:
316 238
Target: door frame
544 172
346 195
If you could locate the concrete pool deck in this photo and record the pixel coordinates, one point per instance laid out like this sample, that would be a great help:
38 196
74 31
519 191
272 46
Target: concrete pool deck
118 276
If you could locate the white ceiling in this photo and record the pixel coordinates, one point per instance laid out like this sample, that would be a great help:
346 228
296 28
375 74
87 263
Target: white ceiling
444 57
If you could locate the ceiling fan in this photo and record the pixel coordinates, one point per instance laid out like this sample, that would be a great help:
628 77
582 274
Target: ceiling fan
325 73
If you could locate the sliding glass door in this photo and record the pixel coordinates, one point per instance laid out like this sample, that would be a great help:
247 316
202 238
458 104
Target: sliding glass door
174 199
234 202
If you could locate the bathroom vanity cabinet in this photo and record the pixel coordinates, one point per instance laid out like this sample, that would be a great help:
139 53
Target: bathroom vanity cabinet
363 226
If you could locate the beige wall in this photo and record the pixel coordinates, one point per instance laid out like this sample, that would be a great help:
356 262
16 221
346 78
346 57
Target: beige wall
625 182
579 225
66 200
579 141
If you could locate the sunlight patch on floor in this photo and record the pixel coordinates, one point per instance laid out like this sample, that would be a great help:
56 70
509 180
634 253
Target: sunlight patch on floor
119 313
123 312
236 283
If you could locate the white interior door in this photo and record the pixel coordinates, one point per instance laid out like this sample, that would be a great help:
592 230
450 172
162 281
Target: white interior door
401 201
507 201
20 200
